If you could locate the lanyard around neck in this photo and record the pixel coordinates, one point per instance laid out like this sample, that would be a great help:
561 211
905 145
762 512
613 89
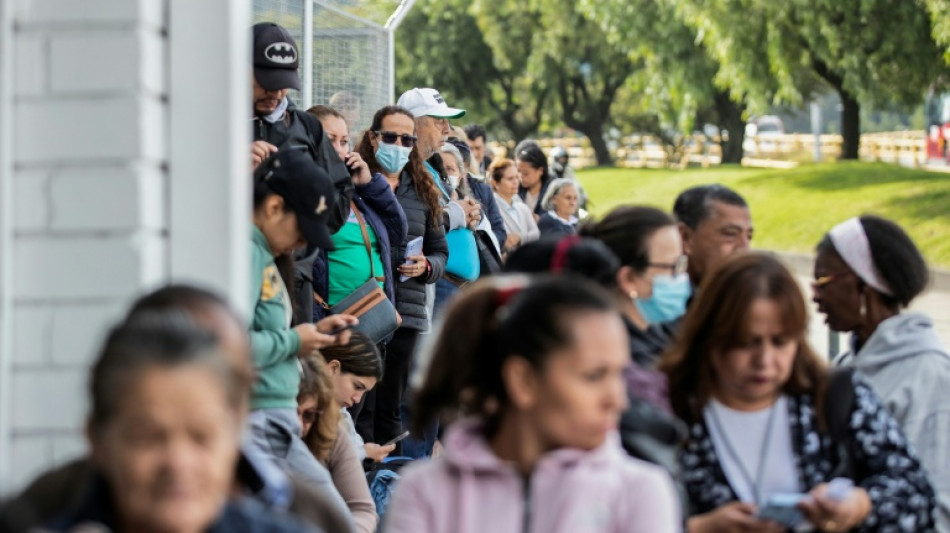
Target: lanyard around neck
754 484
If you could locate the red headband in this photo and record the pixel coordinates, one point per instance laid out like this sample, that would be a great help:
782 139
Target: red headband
559 258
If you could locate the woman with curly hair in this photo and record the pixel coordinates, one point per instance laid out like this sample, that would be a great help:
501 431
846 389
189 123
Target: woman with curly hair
326 437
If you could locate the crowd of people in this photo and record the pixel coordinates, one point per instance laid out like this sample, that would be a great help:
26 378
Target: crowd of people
442 341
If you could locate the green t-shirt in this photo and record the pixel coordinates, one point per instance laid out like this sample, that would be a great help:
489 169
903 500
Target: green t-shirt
348 265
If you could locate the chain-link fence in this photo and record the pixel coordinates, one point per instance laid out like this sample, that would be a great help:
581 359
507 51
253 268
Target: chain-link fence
351 57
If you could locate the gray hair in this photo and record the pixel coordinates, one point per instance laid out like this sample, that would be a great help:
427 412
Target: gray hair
553 189
156 339
448 148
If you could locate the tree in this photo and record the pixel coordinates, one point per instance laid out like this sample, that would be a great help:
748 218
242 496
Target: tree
516 63
678 73
568 54
871 51
440 44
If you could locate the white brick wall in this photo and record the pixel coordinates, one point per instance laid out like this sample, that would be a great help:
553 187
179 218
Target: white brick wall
90 204
122 153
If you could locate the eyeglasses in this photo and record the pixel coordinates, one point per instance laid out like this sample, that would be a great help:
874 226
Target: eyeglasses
390 137
310 416
825 280
676 268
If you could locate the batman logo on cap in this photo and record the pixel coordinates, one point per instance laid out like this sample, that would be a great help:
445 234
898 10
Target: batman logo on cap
281 53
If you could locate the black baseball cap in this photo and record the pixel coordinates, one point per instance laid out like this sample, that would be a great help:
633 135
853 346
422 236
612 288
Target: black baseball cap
275 57
306 188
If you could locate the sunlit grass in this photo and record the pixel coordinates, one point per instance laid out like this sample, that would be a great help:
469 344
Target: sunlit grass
792 209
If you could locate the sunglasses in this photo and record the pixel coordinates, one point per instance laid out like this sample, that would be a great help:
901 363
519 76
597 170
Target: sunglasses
390 137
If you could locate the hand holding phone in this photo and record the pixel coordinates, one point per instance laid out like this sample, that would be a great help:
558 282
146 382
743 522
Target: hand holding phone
398 438
783 509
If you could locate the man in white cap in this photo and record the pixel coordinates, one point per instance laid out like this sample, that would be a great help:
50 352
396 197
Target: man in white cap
432 118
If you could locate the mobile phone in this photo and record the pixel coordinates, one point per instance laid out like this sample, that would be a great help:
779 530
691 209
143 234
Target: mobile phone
783 509
341 329
398 438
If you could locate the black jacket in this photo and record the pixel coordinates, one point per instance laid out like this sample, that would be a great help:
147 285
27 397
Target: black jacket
299 128
552 226
411 294
483 193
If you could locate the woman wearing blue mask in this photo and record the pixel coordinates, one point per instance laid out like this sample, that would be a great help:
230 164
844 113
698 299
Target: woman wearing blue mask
387 147
652 283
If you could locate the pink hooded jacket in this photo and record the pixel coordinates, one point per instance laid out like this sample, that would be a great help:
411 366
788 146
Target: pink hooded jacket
470 490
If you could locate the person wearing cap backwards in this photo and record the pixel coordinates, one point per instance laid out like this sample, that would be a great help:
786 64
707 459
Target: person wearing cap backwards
866 272
292 196
279 125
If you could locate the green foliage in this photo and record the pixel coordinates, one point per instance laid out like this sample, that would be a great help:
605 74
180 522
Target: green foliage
793 208
440 44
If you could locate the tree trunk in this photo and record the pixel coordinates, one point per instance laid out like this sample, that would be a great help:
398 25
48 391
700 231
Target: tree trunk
730 119
593 129
850 125
597 142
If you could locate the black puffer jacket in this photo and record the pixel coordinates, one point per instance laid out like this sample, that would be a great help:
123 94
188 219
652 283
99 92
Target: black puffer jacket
411 294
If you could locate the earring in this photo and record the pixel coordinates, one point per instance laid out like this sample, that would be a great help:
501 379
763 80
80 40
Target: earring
634 294
864 307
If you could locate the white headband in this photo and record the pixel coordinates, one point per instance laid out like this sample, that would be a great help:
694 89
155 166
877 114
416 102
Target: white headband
852 245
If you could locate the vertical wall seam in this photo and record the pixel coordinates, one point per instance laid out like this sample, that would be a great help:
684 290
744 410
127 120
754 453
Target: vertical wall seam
6 240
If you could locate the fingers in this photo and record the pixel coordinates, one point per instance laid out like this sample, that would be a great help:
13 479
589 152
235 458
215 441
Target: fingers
335 322
261 150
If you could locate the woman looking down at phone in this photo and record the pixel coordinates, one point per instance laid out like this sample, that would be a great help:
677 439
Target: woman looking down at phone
326 435
354 370
389 147
756 396
292 199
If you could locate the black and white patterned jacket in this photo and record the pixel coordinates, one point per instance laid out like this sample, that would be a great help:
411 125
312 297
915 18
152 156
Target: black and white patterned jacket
902 498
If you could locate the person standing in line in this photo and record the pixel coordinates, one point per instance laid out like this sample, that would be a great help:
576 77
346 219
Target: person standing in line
535 368
389 147
867 271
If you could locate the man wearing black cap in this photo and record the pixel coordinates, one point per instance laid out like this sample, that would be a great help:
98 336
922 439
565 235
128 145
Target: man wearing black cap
278 125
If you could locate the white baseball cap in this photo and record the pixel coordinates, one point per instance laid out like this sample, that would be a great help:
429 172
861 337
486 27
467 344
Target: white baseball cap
427 103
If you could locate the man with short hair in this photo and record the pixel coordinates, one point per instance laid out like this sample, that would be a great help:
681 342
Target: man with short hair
477 139
714 222
279 125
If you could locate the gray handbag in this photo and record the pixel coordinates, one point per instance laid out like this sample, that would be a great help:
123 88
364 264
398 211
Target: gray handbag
378 317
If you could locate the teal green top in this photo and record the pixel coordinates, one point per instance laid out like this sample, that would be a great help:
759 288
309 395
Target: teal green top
348 265
273 344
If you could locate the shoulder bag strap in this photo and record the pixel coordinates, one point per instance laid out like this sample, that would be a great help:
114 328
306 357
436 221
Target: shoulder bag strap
369 248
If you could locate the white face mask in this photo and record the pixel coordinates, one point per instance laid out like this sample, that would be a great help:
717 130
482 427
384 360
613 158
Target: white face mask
454 180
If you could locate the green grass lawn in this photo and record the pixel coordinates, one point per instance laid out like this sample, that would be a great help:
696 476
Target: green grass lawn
792 209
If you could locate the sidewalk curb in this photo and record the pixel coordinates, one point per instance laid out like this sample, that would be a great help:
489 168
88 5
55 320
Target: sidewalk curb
803 265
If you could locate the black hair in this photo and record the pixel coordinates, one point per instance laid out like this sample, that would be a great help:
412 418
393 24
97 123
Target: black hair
625 230
896 258
694 205
474 131
165 339
530 152
493 320
180 296
588 258
422 181
359 357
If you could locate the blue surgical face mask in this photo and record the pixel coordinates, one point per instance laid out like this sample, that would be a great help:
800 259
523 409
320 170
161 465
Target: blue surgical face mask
392 157
668 300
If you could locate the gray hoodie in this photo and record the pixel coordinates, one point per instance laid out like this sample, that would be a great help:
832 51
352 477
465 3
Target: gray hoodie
908 367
